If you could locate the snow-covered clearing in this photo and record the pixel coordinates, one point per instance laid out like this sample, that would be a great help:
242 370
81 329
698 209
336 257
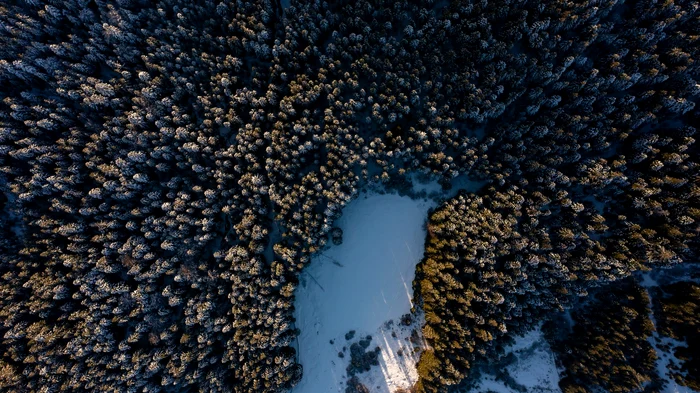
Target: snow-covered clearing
534 368
361 285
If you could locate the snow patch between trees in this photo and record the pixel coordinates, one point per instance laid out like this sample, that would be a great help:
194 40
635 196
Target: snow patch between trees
532 370
432 188
360 285
664 346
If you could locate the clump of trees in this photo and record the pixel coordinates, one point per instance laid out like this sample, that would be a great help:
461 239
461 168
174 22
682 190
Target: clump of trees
168 168
677 311
605 341
495 264
606 344
355 386
362 359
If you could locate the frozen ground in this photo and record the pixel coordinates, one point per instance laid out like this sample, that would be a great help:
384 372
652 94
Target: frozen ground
534 368
361 285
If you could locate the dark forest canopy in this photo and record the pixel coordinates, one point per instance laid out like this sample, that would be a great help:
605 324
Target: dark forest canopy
615 339
147 148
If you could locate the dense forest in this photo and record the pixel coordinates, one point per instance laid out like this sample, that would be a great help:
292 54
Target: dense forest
606 345
611 341
677 307
149 150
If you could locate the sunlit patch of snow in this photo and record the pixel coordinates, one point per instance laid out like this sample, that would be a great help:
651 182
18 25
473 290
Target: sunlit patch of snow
360 285
534 368
398 358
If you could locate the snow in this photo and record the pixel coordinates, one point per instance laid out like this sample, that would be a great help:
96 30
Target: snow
275 236
420 184
464 182
665 347
398 358
667 357
433 189
361 285
533 370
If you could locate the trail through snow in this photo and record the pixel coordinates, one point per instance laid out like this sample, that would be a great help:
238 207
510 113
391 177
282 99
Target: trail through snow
360 285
